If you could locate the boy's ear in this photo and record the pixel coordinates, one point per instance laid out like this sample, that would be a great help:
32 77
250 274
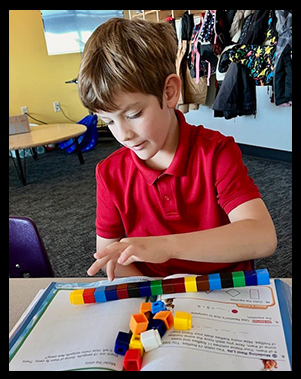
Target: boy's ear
172 90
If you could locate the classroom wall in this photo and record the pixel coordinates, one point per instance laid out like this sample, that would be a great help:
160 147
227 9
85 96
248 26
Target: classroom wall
270 128
36 79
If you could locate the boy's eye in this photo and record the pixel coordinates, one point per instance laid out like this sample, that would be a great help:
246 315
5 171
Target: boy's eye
135 115
108 123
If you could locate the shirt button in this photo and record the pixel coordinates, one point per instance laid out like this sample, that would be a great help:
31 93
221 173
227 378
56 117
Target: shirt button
166 197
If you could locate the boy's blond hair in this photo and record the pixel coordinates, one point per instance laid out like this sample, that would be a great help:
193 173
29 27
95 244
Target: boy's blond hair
127 55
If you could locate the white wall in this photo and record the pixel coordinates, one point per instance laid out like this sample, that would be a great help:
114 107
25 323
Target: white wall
271 128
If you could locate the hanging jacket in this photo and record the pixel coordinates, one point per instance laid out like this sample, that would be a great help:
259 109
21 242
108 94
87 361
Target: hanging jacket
192 94
283 77
237 96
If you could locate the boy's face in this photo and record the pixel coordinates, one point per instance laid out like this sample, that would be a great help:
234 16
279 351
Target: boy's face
140 124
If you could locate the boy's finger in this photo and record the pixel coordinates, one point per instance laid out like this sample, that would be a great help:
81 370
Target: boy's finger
111 270
114 248
96 266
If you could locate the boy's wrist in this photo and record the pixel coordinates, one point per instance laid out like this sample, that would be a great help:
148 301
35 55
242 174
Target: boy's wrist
174 246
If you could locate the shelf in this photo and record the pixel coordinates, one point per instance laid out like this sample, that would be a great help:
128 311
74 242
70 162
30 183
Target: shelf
160 15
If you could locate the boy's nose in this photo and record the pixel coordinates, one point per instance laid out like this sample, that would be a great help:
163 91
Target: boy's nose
125 134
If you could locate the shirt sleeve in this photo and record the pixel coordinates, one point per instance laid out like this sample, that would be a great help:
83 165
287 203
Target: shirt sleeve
108 220
234 185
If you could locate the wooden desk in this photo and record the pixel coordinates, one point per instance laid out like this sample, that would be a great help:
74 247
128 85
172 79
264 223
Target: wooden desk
43 135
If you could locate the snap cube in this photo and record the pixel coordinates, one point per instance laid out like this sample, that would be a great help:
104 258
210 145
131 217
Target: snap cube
122 343
88 295
178 285
167 286
122 291
111 293
263 276
166 317
145 307
132 360
157 325
76 297
190 284
145 289
215 282
135 343
100 294
150 339
182 320
202 283
156 287
226 279
158 306
238 279
133 290
138 323
251 278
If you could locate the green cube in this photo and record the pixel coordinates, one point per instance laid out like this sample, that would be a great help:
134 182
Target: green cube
156 287
239 279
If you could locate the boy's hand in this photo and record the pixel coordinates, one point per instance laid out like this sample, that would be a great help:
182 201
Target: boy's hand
130 250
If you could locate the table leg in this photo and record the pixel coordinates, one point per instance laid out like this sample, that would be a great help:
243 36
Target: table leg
22 174
79 152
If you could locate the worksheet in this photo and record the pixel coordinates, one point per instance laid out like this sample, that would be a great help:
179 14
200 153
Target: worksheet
232 329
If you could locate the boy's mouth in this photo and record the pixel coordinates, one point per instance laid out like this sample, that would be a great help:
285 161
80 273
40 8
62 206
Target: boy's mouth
138 147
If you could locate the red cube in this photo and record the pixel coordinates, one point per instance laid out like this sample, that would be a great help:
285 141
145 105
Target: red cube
132 360
88 295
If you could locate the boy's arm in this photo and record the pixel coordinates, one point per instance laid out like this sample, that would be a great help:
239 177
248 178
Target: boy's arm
250 235
109 265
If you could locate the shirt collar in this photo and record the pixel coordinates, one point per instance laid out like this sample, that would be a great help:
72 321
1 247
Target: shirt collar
179 162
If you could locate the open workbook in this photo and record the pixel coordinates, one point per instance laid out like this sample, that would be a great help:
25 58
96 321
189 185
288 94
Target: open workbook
235 329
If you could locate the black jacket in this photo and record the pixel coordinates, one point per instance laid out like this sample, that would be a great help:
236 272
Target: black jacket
237 95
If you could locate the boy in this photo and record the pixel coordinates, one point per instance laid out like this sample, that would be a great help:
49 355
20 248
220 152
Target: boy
179 193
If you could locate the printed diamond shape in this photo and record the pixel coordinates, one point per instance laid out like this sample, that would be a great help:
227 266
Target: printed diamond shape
233 293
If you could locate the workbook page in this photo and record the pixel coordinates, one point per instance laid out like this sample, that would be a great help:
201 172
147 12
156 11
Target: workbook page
75 337
235 329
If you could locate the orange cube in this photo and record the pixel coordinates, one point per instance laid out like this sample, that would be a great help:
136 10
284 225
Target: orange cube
166 317
145 307
138 323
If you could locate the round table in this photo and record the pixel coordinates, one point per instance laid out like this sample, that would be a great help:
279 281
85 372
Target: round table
43 135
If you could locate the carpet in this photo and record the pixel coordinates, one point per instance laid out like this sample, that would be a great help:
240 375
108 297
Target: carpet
60 198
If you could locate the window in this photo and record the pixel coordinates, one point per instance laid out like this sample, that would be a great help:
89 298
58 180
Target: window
66 31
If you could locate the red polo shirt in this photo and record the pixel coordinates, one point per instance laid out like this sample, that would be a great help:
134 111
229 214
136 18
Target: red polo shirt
204 182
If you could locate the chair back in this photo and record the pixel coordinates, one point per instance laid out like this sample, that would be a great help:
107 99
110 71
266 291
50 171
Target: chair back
27 254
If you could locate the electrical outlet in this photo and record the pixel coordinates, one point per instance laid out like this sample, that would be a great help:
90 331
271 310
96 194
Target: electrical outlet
24 110
56 106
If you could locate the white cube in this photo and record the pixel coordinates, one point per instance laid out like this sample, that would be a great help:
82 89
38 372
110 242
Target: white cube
150 339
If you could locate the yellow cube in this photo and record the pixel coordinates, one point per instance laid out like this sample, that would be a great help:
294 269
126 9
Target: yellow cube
182 321
76 297
190 284
135 343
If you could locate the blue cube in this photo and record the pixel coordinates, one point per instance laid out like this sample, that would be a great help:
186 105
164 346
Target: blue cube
158 306
263 277
100 295
111 293
157 324
144 289
215 282
251 278
122 343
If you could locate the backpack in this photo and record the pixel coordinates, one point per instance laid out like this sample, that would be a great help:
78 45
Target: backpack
202 60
